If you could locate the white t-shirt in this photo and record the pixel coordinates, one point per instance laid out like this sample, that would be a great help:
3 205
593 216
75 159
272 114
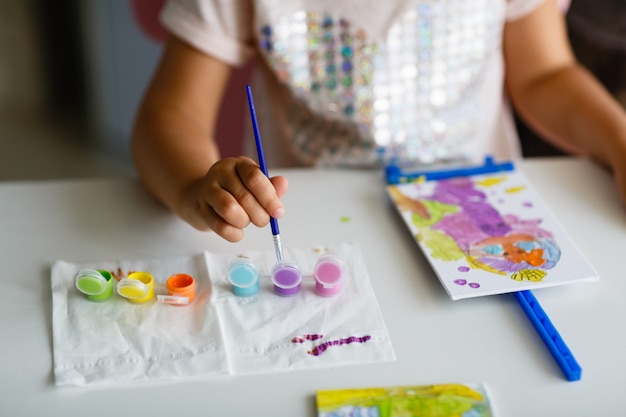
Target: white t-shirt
363 82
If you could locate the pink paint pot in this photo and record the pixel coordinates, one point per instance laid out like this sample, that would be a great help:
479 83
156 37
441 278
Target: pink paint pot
287 278
328 274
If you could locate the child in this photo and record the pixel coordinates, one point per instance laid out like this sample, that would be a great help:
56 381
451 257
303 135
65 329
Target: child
357 83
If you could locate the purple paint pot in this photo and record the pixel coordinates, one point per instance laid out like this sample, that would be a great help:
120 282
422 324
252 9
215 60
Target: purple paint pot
328 274
286 277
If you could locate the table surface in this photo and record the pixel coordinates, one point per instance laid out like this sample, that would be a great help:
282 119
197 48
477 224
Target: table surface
436 340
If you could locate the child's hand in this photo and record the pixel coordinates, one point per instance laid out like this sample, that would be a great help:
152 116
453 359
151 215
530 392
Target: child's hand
233 194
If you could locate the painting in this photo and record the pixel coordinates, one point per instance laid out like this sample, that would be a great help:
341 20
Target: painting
489 234
444 400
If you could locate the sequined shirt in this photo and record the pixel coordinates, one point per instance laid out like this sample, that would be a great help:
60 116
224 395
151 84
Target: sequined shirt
362 82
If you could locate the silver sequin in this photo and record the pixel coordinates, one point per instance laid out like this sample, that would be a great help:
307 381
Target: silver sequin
407 99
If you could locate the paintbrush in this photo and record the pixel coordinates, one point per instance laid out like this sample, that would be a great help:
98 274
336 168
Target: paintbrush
259 148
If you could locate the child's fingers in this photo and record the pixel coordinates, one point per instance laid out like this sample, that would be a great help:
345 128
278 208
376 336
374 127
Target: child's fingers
223 203
241 194
259 197
222 228
280 185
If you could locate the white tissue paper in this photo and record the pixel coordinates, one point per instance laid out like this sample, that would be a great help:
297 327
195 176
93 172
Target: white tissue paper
116 341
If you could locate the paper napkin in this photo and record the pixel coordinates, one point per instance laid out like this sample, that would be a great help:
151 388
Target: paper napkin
218 333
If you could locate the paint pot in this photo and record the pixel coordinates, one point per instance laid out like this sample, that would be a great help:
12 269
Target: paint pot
181 289
328 274
244 277
287 278
96 284
137 288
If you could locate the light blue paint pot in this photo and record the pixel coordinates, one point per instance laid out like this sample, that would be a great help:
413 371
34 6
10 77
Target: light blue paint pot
244 277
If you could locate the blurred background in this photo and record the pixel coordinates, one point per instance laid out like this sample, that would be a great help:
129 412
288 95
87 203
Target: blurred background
71 75
73 72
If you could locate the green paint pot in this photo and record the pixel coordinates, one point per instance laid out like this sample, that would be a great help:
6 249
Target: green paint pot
96 284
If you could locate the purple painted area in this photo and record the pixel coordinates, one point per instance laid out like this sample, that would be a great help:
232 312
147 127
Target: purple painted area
463 282
456 190
461 228
475 221
318 350
464 268
306 337
526 226
486 218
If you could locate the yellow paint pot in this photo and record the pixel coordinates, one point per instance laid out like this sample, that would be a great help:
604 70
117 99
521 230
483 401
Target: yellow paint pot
137 288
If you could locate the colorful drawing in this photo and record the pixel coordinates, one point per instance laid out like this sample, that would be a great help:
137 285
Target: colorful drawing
488 240
447 400
493 224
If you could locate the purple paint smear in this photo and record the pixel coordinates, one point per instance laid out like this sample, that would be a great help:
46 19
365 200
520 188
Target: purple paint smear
318 350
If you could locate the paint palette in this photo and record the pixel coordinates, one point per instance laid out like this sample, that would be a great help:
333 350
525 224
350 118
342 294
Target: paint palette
489 234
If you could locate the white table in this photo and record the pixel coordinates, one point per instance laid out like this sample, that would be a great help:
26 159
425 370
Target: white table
436 340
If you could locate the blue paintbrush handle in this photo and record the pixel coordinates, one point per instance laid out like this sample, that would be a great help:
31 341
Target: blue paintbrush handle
259 149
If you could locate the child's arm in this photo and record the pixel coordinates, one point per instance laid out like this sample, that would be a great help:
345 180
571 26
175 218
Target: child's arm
559 98
178 159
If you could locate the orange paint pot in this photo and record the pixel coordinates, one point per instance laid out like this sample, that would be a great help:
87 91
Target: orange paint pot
181 285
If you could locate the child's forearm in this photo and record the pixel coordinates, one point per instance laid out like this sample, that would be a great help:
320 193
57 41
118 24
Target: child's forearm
559 98
171 152
574 111
172 140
